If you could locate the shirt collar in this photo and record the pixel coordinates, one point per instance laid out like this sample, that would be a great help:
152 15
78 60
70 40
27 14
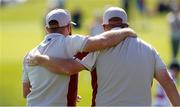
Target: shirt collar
50 37
53 35
116 28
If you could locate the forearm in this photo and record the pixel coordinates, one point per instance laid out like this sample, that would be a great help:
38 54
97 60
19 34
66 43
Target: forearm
52 64
168 85
113 38
59 65
107 39
172 92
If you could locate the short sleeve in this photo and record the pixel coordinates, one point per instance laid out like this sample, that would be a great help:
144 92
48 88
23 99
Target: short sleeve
25 77
90 60
75 44
159 64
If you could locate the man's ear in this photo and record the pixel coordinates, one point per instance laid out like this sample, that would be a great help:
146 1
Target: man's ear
70 29
47 29
104 27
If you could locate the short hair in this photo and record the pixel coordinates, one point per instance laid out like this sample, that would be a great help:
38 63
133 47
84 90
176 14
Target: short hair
53 24
117 22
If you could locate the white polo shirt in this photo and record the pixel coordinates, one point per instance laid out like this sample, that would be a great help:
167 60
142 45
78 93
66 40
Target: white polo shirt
124 73
49 89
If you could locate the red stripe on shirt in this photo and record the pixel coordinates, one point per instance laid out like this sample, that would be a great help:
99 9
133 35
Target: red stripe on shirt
72 90
73 84
94 86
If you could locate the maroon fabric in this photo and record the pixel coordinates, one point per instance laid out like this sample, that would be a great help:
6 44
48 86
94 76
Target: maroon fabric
93 77
72 90
73 84
81 55
94 86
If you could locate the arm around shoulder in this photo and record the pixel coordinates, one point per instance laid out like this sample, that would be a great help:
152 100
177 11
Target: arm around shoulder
58 65
108 39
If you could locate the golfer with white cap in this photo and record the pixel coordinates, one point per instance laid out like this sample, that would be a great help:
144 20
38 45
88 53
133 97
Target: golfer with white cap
43 88
124 73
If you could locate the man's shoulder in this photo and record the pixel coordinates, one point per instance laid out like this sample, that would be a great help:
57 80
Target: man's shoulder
75 38
33 51
142 42
135 44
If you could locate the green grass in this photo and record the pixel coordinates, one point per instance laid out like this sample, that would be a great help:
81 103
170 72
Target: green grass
21 29
11 84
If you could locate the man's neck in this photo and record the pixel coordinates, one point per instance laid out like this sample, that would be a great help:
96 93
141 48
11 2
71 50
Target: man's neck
116 28
57 33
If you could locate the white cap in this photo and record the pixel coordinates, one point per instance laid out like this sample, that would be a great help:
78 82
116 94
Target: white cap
60 15
114 12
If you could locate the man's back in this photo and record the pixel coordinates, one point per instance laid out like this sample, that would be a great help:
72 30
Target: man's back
50 89
125 73
128 70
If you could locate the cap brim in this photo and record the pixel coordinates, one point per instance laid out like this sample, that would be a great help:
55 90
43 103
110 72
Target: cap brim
73 23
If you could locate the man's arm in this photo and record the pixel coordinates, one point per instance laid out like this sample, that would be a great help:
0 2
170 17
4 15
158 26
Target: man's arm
107 39
26 83
57 65
26 89
168 85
